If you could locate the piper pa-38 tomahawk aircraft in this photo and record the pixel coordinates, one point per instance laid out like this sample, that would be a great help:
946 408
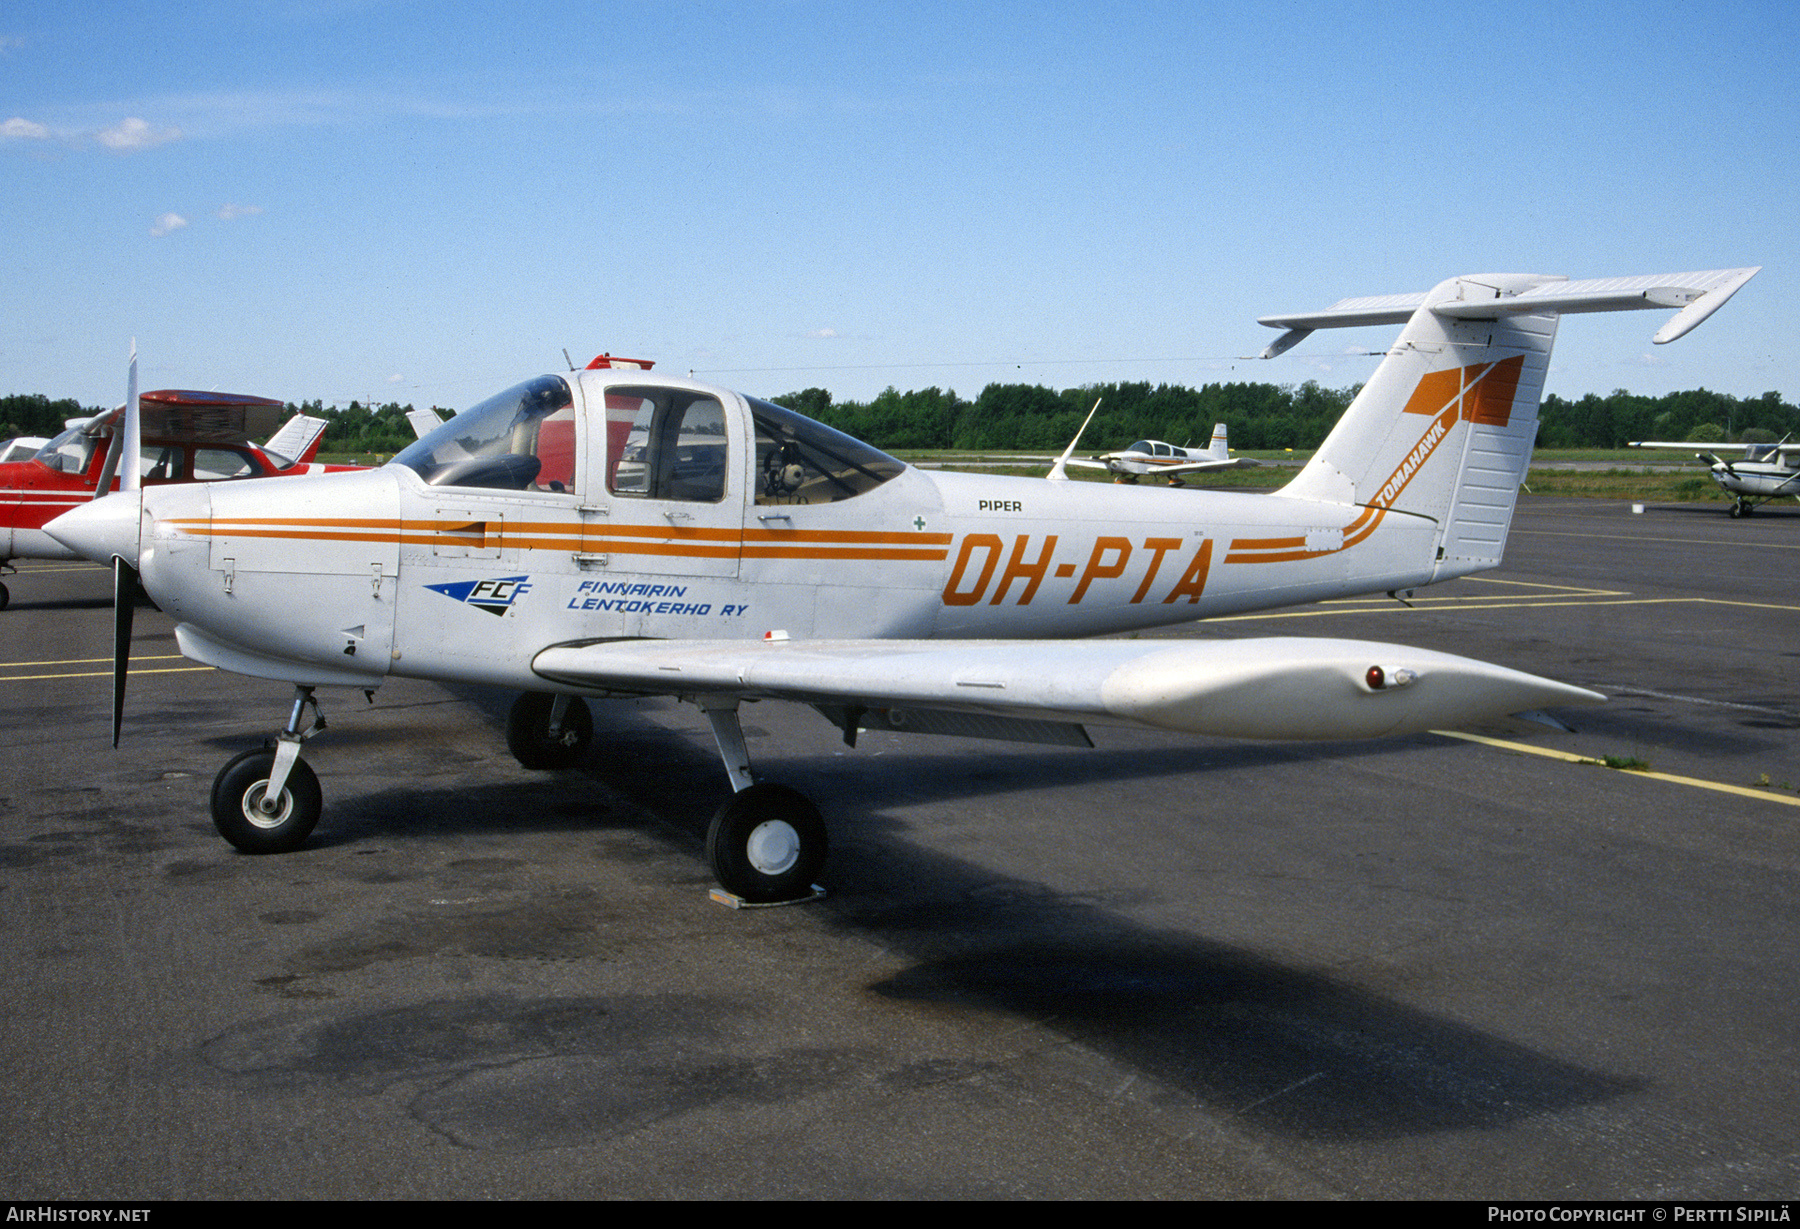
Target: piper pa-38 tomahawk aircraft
187 437
613 533
1166 460
1765 472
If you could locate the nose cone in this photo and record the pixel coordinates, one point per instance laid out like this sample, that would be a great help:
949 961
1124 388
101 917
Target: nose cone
101 528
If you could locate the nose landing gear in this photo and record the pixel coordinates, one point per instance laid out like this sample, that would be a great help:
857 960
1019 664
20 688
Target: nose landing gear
268 800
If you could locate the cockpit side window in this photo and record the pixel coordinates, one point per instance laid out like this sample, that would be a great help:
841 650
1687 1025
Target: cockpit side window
799 461
520 440
665 443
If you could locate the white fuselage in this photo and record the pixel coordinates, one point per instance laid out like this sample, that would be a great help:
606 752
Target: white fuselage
346 578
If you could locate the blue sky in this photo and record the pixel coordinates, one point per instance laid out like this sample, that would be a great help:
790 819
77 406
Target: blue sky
420 202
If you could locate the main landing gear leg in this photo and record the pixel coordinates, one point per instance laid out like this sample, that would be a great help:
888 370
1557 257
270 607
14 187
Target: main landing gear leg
767 842
549 732
268 800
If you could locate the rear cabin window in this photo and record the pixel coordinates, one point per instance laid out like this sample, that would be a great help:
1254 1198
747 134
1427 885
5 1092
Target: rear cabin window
799 461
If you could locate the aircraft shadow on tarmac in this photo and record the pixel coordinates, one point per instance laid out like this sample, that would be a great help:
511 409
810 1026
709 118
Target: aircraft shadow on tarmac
1285 1049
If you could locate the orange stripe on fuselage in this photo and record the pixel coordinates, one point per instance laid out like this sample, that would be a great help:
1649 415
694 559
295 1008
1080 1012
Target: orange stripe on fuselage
662 540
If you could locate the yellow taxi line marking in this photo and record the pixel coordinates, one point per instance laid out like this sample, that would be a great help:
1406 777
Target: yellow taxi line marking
97 674
1502 604
1570 757
88 661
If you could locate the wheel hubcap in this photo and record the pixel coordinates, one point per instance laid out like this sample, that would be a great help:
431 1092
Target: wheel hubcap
253 811
773 847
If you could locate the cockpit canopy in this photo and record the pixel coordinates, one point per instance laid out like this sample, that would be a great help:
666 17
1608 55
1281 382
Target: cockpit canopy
662 441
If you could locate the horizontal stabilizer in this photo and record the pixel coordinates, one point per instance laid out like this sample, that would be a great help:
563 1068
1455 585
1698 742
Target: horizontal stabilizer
1282 688
1486 297
298 438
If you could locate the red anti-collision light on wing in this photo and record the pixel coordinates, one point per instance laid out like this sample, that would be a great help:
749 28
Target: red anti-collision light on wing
603 361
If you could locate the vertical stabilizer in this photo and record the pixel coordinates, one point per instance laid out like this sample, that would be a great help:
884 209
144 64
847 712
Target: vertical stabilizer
1445 426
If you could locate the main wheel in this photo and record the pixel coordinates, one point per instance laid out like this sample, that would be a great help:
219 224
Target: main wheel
237 796
528 732
5 597
767 843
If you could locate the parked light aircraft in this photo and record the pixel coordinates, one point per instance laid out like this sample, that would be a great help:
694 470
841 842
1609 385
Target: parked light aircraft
612 533
21 448
187 437
1765 472
1166 460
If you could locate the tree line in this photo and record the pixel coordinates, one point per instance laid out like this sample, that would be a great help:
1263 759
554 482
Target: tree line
1261 417
1031 417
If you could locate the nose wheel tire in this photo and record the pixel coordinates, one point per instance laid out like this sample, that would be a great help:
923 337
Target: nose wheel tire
528 732
237 796
767 843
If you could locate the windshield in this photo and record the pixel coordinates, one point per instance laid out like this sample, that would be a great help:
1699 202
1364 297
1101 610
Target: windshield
520 440
68 453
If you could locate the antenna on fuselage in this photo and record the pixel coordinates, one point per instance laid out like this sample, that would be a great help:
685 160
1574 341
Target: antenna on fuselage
1058 472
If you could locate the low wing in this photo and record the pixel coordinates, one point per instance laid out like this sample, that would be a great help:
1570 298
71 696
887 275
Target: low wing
1205 467
1175 467
1284 688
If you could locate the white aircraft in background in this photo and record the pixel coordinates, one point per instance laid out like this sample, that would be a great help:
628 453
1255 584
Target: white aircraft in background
21 448
743 552
1765 472
1163 460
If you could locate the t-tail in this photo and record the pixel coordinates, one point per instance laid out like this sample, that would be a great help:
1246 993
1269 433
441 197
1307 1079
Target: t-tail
1444 428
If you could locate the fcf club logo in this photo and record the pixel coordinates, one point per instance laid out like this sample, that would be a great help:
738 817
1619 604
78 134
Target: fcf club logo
493 596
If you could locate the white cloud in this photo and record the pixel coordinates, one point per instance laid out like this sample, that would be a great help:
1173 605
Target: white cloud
823 333
396 378
167 223
228 211
24 129
129 135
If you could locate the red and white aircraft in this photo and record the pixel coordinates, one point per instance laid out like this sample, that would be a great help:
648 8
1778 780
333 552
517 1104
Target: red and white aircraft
187 437
610 532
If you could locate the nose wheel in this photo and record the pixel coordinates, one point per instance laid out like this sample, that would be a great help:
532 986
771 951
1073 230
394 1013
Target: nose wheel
256 821
268 800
